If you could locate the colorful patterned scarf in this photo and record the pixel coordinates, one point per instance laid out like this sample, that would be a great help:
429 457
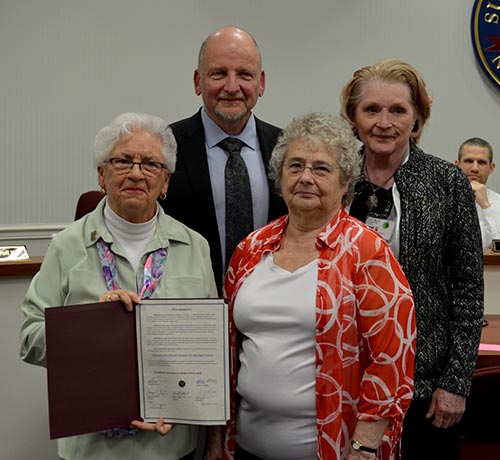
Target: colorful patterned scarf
153 269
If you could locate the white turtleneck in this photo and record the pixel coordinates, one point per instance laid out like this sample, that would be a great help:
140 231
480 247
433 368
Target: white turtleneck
133 238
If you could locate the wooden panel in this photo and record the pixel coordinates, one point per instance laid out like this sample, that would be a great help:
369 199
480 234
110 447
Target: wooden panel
490 257
25 268
490 334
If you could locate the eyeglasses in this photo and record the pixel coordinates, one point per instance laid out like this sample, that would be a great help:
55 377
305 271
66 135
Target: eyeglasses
123 165
297 168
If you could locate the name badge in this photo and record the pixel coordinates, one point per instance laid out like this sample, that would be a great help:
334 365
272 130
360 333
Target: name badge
383 226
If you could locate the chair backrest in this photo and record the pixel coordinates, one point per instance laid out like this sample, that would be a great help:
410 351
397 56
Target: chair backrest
480 420
87 203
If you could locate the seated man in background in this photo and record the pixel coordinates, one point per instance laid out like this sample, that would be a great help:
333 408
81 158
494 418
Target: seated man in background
475 157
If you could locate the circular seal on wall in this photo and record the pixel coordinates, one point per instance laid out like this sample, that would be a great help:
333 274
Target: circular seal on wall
485 32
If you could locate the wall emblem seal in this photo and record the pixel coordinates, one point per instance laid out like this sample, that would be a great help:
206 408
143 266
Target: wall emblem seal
485 34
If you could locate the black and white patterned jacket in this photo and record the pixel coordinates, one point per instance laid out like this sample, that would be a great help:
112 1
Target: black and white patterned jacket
441 255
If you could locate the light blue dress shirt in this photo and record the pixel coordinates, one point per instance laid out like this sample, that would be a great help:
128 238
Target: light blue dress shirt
256 170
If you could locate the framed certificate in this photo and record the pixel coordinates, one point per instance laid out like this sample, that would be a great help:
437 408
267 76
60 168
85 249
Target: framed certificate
183 360
107 366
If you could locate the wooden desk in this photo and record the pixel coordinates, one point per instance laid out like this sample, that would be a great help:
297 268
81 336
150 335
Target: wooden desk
490 334
24 268
490 257
31 267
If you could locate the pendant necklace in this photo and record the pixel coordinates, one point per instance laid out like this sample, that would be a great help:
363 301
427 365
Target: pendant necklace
372 201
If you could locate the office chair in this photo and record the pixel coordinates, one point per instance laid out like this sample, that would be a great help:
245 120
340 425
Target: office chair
479 425
87 203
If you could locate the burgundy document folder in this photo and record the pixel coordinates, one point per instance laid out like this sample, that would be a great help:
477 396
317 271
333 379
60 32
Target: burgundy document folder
91 368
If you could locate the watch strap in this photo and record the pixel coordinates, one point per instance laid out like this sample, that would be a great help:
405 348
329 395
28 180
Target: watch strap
356 445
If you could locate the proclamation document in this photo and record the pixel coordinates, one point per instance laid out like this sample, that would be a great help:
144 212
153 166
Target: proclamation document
183 360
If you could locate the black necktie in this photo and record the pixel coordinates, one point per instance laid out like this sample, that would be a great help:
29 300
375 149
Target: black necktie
239 215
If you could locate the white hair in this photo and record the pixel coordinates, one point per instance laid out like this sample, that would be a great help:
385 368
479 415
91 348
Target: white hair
124 125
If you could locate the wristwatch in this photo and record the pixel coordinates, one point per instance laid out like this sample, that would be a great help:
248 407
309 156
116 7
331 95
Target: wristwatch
356 445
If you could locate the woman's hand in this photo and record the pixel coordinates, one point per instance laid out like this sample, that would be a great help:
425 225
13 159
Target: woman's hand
128 298
160 426
369 434
446 408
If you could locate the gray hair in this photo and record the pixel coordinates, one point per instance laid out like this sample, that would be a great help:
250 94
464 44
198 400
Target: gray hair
123 126
476 142
316 128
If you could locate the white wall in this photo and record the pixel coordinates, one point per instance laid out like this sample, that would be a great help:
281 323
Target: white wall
24 426
68 67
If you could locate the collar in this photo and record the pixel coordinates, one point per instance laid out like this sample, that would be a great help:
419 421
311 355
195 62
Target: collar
404 161
167 229
410 164
214 134
329 236
119 225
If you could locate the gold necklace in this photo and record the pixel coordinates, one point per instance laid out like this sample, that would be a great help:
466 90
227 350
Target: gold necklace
372 201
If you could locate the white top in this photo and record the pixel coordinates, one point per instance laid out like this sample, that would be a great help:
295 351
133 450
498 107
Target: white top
395 215
133 238
489 219
275 310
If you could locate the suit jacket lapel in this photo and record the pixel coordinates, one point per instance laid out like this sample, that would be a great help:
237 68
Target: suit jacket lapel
266 141
268 135
193 154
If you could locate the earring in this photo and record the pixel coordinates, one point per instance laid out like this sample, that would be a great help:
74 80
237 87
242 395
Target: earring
163 196
103 191
355 132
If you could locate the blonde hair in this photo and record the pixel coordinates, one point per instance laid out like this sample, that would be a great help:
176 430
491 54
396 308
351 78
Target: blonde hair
389 70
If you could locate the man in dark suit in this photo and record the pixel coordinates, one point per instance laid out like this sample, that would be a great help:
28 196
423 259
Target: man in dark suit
230 80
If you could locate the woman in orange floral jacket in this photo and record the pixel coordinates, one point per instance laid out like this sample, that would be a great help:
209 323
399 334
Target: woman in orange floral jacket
323 324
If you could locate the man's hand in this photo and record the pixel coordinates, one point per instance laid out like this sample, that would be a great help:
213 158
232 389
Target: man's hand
481 195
